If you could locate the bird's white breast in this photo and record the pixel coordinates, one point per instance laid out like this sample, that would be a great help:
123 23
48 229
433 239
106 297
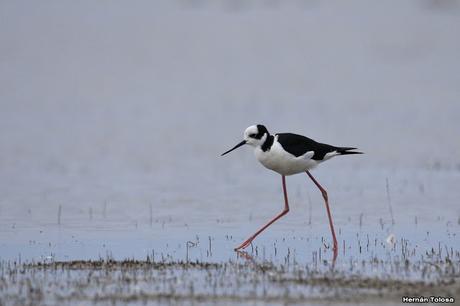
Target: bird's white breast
283 162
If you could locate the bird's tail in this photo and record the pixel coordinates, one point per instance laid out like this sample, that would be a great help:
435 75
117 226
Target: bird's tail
347 150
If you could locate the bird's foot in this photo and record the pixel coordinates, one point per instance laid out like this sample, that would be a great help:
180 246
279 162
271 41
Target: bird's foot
244 255
244 244
335 250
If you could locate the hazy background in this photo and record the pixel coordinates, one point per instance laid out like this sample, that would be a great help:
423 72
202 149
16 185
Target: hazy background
112 108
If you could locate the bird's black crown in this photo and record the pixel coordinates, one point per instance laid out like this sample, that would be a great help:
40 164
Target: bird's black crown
261 129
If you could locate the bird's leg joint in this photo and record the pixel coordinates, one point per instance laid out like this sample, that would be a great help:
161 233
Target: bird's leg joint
325 196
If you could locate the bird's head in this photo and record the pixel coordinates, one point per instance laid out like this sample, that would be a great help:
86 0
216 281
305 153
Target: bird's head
255 135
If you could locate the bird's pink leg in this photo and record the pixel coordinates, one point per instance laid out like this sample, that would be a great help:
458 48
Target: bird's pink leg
324 193
285 211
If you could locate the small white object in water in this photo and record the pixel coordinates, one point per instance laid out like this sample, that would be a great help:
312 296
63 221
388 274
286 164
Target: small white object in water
48 259
391 239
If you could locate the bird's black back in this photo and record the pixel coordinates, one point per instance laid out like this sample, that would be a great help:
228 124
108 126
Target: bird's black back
298 145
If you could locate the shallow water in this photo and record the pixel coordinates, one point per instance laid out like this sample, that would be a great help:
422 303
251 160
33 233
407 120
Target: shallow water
113 119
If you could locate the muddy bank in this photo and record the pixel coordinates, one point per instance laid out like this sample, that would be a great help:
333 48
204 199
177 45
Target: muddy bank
233 282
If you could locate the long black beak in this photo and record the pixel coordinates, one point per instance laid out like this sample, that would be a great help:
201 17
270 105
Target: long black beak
235 147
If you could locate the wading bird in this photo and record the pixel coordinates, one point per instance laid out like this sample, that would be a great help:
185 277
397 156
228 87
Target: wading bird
289 154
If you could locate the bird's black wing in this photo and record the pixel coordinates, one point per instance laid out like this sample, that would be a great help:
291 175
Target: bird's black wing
298 145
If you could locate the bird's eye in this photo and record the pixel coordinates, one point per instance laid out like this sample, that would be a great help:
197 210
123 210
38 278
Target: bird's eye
252 135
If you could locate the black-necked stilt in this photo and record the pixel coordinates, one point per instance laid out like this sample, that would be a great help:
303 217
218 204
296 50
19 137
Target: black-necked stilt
290 154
